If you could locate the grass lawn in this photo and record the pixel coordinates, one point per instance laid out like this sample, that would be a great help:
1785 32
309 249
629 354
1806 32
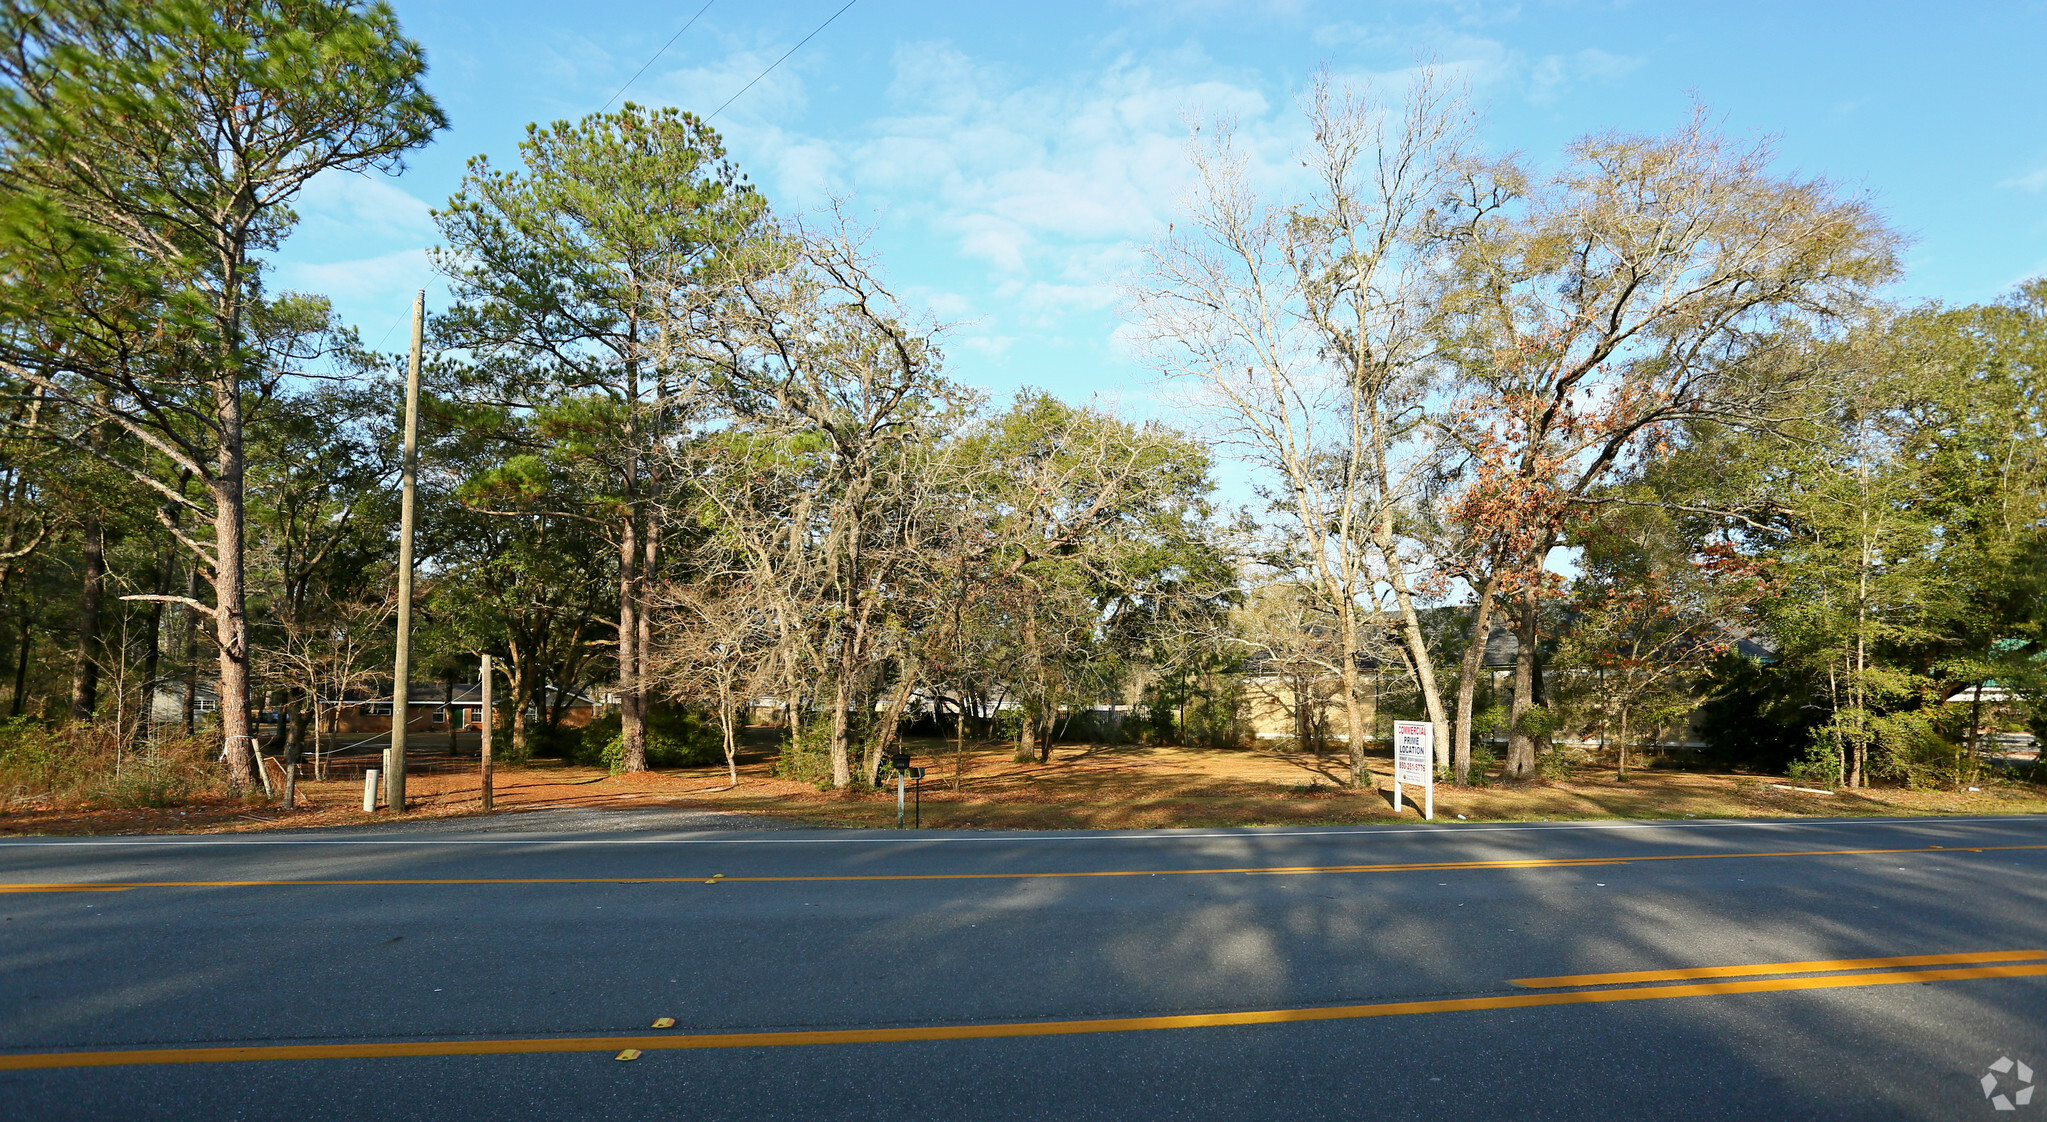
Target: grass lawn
1083 787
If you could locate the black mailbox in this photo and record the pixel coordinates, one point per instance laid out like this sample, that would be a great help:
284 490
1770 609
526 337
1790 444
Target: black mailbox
916 773
901 760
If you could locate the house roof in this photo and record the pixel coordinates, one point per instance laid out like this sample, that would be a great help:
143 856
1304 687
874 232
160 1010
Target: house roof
419 693
464 693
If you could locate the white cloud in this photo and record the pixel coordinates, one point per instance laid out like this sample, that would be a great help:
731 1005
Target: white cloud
1051 305
361 206
372 293
1025 177
1553 75
2031 181
1233 9
778 95
952 307
987 346
1000 243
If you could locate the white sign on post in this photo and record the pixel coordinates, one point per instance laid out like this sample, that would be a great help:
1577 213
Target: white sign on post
1414 762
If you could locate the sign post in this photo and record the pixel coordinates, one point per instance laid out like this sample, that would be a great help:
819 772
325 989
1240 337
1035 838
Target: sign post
1414 759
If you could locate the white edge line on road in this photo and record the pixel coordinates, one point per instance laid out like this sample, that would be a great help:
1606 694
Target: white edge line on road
882 837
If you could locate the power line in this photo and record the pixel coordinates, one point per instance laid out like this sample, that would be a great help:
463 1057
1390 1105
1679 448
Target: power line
779 61
657 54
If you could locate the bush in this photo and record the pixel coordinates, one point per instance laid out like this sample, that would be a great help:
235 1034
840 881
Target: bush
1091 726
1482 763
675 738
1821 765
82 764
807 758
33 758
558 743
505 750
150 780
1758 715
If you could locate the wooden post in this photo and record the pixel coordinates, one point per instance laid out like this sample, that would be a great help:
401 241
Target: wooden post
487 715
401 675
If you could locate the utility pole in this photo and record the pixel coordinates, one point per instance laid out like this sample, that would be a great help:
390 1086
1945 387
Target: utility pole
401 675
487 717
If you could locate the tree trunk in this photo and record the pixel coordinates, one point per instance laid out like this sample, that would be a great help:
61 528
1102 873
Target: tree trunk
152 660
448 713
643 634
891 719
1855 776
1520 743
632 715
726 718
323 736
191 653
1467 675
21 666
86 671
842 713
1419 660
1975 749
294 750
230 616
520 703
1353 713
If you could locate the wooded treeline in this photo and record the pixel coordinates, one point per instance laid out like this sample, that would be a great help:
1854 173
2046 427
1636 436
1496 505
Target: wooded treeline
1643 409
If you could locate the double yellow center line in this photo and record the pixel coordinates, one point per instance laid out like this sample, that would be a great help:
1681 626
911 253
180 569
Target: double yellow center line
1269 870
1755 978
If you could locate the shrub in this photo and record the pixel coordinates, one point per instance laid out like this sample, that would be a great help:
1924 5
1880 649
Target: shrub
150 780
1482 762
505 750
559 743
1821 765
675 738
807 758
83 764
33 758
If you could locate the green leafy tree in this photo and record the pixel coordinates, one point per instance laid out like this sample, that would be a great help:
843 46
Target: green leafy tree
149 153
582 275
1098 536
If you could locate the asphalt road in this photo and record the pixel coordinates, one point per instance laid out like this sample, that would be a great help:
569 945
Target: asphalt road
1286 973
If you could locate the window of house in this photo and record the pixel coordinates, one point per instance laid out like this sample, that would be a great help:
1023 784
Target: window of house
440 716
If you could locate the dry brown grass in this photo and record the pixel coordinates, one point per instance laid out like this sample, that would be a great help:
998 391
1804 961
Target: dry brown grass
1083 787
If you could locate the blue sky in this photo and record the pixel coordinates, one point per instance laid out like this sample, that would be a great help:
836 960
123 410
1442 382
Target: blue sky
1011 160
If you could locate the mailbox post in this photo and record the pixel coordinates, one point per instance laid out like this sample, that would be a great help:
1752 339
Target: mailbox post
901 762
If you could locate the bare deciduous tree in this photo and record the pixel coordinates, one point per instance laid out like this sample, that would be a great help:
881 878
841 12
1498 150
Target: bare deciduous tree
1305 327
